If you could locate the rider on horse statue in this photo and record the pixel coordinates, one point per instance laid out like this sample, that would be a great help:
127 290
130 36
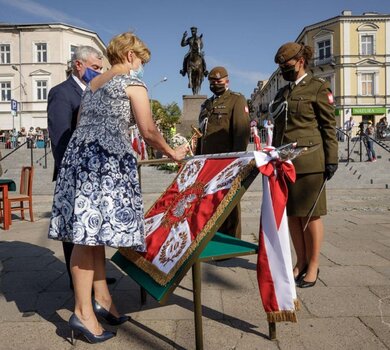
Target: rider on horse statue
192 42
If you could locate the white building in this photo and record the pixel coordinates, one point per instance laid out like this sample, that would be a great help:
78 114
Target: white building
34 58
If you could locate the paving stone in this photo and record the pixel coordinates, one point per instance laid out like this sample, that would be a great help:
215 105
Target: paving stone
343 276
380 326
328 333
339 301
342 257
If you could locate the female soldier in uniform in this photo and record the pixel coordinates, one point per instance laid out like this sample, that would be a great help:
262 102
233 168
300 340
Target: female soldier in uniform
309 120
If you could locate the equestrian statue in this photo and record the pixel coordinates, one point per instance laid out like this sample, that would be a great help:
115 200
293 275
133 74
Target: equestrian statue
194 64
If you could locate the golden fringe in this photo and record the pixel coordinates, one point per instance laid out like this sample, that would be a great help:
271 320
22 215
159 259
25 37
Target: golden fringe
151 269
297 305
282 316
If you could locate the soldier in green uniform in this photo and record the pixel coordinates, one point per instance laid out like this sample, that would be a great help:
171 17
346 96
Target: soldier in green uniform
224 122
306 116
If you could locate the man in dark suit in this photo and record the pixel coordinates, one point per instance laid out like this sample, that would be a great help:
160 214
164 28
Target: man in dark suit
62 111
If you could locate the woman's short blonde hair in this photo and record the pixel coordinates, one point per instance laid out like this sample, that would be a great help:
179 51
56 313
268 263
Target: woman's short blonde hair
121 44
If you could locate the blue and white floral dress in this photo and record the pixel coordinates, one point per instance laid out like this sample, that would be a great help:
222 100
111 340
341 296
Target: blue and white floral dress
97 199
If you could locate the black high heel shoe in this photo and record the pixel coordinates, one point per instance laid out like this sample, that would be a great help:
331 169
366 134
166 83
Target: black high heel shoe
77 327
300 275
108 316
306 284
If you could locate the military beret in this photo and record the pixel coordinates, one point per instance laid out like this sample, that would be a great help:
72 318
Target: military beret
218 73
287 51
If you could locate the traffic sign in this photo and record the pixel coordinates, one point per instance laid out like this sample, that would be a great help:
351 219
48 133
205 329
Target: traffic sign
14 105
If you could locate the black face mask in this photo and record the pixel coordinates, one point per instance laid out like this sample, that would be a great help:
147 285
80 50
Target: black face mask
289 73
217 89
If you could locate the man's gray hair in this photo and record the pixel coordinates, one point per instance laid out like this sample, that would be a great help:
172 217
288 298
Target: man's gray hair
83 52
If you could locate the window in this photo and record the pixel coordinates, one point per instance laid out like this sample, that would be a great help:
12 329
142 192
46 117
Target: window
5 87
72 50
367 44
41 90
367 82
41 52
5 53
323 49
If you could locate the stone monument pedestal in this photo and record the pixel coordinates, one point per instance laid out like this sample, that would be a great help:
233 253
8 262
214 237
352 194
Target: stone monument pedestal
190 115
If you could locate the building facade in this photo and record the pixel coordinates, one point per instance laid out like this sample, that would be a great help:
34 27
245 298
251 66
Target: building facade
34 58
353 53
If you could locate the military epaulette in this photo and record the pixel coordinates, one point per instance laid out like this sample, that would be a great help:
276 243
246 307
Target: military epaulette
236 93
321 80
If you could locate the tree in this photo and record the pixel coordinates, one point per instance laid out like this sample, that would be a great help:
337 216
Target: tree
166 117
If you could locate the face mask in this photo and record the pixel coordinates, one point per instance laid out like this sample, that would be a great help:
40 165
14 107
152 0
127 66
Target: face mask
289 73
139 73
89 75
217 89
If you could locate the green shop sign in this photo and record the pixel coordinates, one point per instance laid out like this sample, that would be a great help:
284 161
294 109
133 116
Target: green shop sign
368 110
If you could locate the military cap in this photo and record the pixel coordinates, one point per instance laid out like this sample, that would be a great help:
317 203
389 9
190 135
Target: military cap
218 73
195 28
287 51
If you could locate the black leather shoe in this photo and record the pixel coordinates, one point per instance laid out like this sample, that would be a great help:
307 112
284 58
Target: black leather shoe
300 275
108 316
306 284
77 327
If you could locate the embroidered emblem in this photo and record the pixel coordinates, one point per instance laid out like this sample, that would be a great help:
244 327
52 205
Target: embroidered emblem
172 248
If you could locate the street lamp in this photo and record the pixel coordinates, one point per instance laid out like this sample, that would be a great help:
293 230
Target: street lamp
163 80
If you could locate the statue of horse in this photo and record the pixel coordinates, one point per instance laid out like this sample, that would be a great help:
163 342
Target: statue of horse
195 67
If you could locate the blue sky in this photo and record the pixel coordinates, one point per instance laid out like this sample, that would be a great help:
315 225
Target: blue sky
242 35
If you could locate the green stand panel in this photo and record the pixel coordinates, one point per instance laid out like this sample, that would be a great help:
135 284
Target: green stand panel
220 247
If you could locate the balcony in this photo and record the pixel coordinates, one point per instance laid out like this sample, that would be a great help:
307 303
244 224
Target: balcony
321 61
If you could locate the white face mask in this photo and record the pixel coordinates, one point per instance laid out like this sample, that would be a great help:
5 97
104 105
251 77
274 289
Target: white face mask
138 73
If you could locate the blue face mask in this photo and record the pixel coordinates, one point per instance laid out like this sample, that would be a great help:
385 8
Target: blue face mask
139 73
89 75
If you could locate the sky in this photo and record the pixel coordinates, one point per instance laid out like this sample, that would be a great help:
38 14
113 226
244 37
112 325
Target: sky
241 35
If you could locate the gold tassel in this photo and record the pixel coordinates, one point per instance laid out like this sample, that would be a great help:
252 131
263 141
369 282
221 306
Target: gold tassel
282 316
297 305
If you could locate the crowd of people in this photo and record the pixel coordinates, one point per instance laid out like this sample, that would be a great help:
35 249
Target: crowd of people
35 137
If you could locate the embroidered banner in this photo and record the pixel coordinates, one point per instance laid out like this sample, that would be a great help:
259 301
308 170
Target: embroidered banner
186 212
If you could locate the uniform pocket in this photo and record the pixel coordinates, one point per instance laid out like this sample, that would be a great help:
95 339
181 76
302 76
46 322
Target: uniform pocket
314 160
300 105
308 141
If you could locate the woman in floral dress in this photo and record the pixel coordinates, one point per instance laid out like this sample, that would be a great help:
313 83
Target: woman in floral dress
97 199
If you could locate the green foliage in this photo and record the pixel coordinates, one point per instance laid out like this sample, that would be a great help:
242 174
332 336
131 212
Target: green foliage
166 117
170 167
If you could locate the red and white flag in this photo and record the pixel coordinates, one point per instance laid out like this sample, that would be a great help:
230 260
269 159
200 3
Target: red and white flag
138 143
274 265
186 213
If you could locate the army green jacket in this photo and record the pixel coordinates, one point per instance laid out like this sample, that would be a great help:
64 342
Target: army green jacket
309 121
224 123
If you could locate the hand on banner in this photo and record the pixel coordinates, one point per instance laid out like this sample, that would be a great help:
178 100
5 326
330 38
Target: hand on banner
330 169
180 152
